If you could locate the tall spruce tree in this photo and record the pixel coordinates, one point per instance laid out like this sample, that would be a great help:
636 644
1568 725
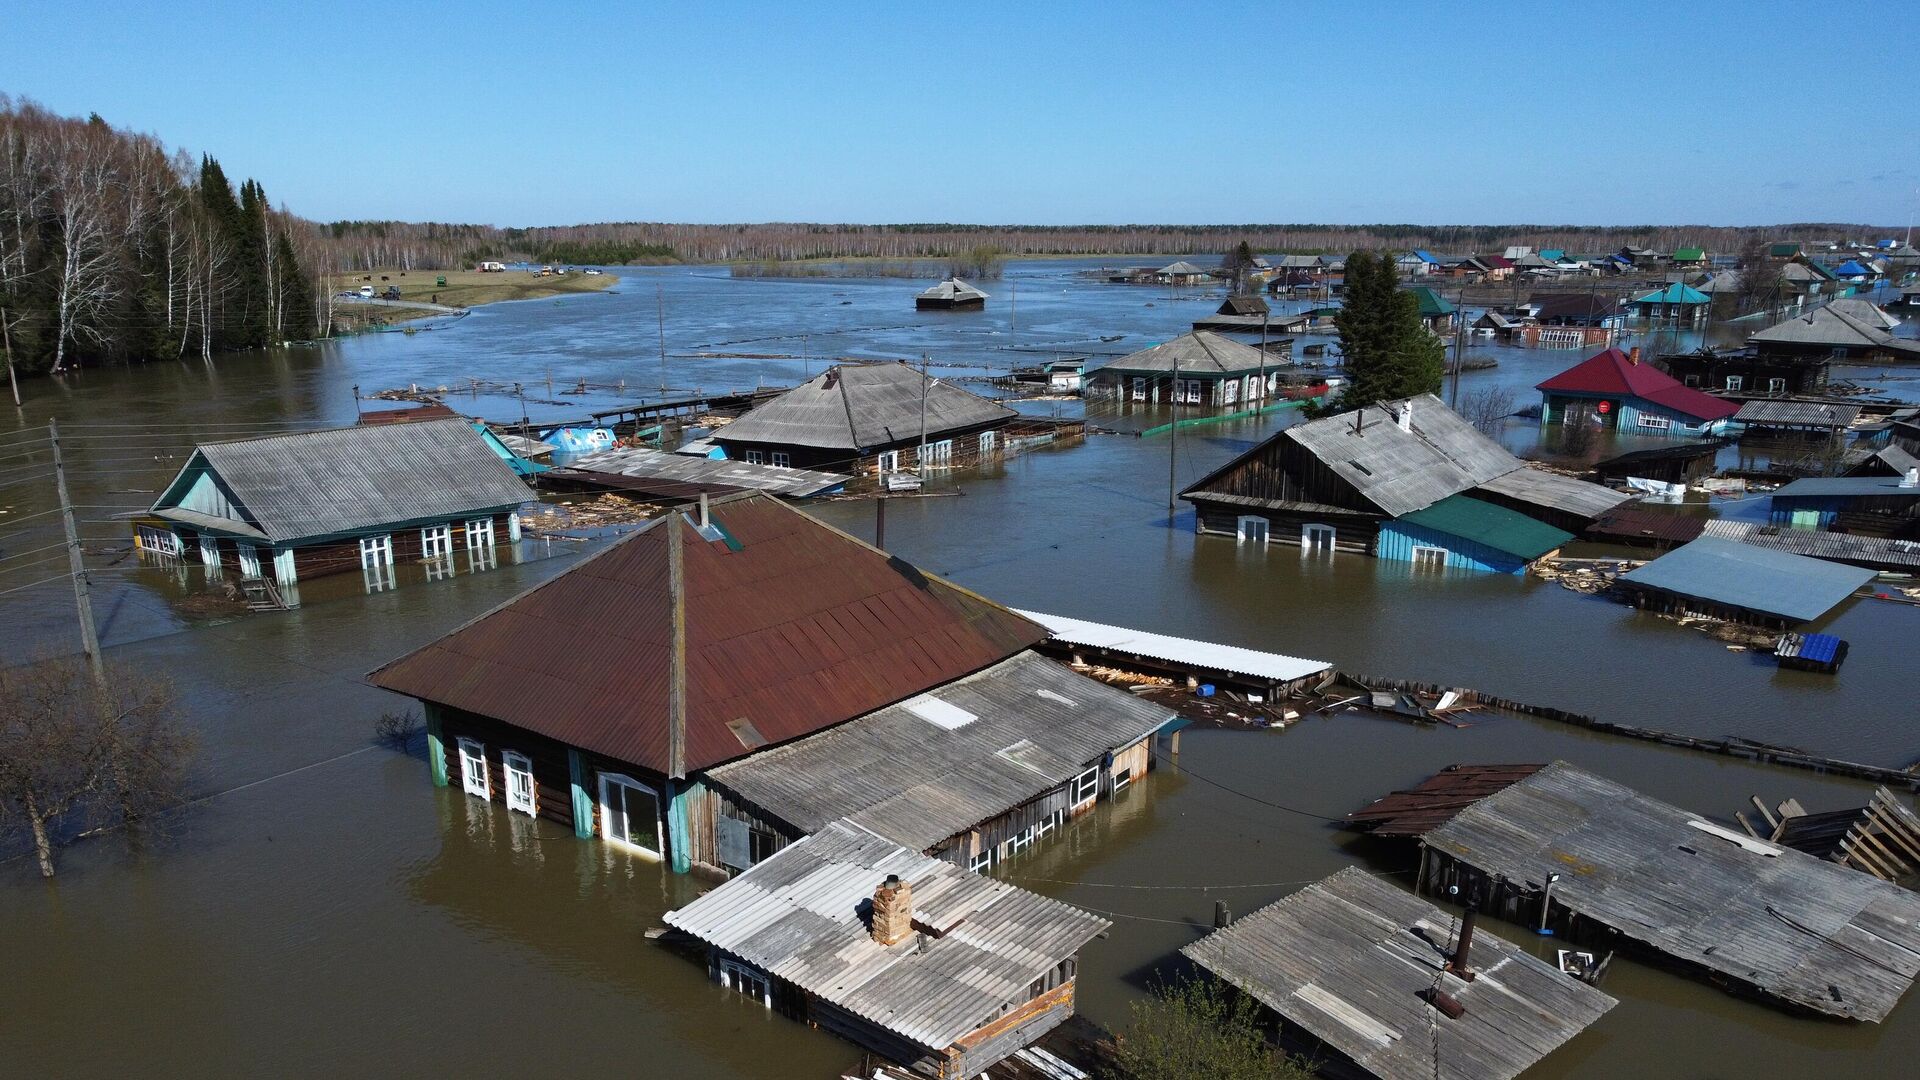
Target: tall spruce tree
1388 353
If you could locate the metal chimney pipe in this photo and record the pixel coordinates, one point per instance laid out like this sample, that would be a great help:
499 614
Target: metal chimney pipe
705 522
1459 964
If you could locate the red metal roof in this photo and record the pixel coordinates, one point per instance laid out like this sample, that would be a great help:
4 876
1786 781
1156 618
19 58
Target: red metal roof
1436 799
432 410
793 627
1632 522
1614 373
1496 262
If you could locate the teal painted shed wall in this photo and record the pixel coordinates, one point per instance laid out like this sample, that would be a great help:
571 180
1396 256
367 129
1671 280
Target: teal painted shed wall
1397 540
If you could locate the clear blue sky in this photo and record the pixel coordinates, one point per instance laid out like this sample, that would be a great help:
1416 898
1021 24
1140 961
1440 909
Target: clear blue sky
528 113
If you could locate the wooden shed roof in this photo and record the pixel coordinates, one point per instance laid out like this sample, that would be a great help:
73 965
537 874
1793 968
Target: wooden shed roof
676 650
1199 353
1806 932
853 407
1350 957
1432 803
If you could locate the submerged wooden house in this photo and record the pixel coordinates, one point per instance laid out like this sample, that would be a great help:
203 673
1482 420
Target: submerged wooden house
1872 505
1355 965
628 698
1360 482
1838 331
294 507
869 418
1614 389
941 971
1597 861
1748 371
1201 369
951 295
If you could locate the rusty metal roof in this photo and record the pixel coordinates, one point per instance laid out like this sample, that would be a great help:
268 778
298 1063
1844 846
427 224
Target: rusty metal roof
785 622
1433 802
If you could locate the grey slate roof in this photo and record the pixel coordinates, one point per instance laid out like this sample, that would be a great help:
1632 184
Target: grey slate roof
1300 262
1830 326
1199 353
1183 267
1790 587
917 782
1403 471
1864 310
860 406
1849 487
344 480
953 289
1817 935
1874 551
1796 413
1551 491
658 465
1348 957
796 916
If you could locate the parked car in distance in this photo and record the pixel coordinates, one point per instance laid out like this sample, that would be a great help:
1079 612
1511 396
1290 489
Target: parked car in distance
366 291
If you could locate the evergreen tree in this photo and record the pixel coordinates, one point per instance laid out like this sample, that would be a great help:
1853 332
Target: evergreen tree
1388 353
297 312
250 241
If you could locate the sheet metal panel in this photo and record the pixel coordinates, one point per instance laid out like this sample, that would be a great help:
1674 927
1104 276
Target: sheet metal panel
1740 575
1199 654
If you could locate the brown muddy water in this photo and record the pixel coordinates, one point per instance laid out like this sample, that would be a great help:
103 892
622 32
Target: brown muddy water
325 910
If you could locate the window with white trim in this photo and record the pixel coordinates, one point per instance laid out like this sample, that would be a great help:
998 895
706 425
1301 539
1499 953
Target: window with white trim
1776 386
519 770
376 551
1736 382
436 541
782 460
939 453
1230 391
1049 823
988 440
1251 527
1655 423
981 863
746 979
249 560
1018 843
479 533
157 541
1429 558
1083 789
1139 388
755 457
473 767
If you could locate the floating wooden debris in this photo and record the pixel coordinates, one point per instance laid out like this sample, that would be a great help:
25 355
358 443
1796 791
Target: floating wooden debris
1881 838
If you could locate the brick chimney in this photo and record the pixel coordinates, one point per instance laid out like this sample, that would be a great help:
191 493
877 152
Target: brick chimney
893 911
1633 355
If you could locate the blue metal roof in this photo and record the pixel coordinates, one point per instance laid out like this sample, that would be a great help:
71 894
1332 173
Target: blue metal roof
1819 648
1790 587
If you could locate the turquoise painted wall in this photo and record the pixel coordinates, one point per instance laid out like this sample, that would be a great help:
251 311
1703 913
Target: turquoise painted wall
1397 540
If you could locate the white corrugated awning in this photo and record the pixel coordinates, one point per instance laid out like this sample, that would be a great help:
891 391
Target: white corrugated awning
1200 654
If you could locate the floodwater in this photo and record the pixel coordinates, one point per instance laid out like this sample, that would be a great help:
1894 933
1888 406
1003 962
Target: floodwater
326 910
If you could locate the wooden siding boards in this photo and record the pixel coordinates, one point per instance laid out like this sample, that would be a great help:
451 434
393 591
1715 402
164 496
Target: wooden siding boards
1808 933
920 784
1347 959
800 628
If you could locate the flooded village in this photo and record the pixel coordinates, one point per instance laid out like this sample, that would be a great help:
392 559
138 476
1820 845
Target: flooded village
945 650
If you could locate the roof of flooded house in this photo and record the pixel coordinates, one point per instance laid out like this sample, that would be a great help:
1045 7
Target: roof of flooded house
1181 267
316 484
1689 254
979 943
1244 304
857 406
1864 310
676 649
1300 261
942 762
1202 655
1848 487
1796 413
1201 352
643 463
1552 491
1350 959
1584 305
1790 587
1491 526
953 289
432 410
1431 303
1877 552
1634 522
1832 326
1433 802
1676 293
1612 372
1810 933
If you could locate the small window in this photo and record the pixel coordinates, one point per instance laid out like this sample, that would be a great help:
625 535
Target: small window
1251 528
1139 389
376 551
981 863
473 768
519 770
479 533
1021 842
1776 386
436 541
748 980
1736 382
988 439
782 460
888 462
756 457
1429 558
1084 789
1317 539
1655 423
1693 380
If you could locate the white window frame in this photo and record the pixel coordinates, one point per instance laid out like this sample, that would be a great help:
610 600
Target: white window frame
436 541
1252 528
1021 842
981 863
516 766
754 457
1426 555
1190 392
159 541
1049 823
939 453
1655 423
1084 790
1310 537
376 551
1139 388
782 460
744 979
988 441
209 550
1776 385
607 781
473 759
479 533
1230 392
888 462
249 560
1736 382
1121 778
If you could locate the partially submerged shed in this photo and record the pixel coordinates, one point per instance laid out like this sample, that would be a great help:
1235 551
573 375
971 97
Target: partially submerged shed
1730 580
943 971
1269 674
1200 368
1875 505
1795 421
951 295
1363 967
1755 916
644 470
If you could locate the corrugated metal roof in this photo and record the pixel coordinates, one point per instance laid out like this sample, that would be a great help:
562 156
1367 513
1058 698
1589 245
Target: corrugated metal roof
1832 326
1490 526
797 916
1870 551
1349 958
1174 269
1403 471
1204 655
1677 293
1433 802
343 480
800 628
1816 935
1775 583
658 465
1431 303
1796 413
1650 523
859 406
1551 491
918 782
953 289
1851 487
1201 352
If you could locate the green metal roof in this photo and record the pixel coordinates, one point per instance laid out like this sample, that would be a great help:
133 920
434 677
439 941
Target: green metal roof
1432 303
1491 526
1689 254
1784 251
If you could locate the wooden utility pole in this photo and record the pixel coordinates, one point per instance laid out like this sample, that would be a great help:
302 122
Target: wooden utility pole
89 642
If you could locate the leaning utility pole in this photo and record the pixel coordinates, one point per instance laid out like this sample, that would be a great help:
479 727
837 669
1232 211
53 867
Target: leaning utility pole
89 642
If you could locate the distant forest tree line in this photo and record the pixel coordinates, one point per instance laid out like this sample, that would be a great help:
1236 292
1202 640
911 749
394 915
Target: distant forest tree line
112 249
